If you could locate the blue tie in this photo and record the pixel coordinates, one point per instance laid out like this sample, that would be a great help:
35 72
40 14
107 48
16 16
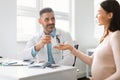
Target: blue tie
50 57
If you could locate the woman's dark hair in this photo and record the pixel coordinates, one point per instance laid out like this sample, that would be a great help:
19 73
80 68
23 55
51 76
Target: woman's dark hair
45 10
113 7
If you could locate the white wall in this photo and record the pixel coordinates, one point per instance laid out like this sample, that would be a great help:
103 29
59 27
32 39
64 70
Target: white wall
84 29
84 23
8 28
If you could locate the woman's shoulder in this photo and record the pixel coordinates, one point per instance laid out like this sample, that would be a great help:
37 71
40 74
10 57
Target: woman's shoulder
115 34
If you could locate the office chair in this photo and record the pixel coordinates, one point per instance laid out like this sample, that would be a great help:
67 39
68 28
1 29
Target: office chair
76 46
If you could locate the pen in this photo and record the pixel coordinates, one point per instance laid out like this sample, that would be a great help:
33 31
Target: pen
31 62
9 63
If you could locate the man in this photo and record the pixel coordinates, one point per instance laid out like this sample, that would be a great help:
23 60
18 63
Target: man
41 45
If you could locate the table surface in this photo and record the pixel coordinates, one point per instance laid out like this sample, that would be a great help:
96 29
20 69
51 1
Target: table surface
19 72
22 72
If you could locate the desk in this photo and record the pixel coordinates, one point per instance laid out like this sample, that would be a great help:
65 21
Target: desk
26 73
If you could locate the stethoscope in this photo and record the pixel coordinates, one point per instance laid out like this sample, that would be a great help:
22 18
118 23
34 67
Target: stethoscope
57 38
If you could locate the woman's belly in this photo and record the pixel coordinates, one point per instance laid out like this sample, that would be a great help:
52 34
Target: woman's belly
101 71
103 64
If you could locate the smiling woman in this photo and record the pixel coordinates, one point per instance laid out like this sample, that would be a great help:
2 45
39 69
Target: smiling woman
98 28
107 53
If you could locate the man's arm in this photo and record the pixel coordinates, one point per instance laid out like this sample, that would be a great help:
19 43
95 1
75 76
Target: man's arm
29 48
33 47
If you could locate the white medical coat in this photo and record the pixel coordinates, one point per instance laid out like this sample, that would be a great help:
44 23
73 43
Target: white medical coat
60 57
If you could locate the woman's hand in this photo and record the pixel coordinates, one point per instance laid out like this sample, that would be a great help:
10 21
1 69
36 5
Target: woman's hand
64 47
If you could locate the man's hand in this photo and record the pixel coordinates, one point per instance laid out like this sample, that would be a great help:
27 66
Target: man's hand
44 40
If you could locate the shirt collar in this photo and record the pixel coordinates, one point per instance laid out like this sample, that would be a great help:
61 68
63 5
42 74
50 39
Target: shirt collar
53 33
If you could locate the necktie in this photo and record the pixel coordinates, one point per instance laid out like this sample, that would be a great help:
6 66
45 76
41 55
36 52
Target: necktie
50 57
